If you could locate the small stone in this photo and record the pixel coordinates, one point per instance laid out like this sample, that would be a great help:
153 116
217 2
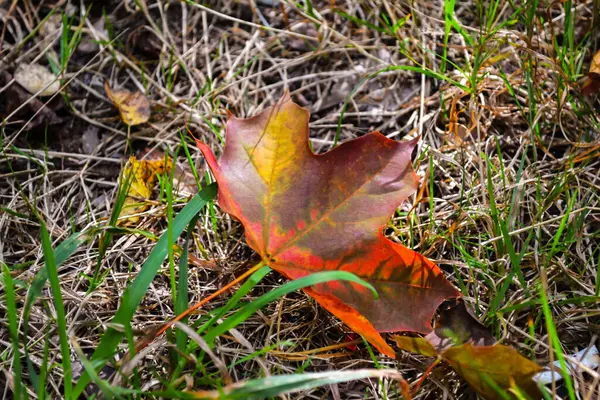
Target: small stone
35 77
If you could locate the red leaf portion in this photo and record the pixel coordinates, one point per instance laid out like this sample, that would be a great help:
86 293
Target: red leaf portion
305 213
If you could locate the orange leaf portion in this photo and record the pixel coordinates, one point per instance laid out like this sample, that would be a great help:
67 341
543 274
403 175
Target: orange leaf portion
305 213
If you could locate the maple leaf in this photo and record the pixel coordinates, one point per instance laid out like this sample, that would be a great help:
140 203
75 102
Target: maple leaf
305 213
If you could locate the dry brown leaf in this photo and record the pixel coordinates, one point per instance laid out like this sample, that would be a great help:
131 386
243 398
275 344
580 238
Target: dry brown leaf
35 77
140 175
133 106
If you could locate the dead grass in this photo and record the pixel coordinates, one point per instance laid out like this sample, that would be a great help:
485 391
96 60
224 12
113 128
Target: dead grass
524 142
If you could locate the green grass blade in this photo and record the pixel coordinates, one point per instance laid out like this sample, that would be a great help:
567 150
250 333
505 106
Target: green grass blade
275 385
181 304
552 333
254 279
61 253
135 293
218 313
554 340
360 22
449 6
41 386
169 189
240 293
188 157
502 227
310 280
61 320
13 329
105 387
261 352
125 183
563 223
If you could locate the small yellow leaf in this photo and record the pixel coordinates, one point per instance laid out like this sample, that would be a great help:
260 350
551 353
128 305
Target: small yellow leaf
141 178
133 107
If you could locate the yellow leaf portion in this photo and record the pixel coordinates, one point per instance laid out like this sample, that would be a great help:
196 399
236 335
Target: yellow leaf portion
140 175
133 107
416 345
595 66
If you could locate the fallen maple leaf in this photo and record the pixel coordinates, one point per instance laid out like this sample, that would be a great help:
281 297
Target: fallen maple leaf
305 213
133 107
140 175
